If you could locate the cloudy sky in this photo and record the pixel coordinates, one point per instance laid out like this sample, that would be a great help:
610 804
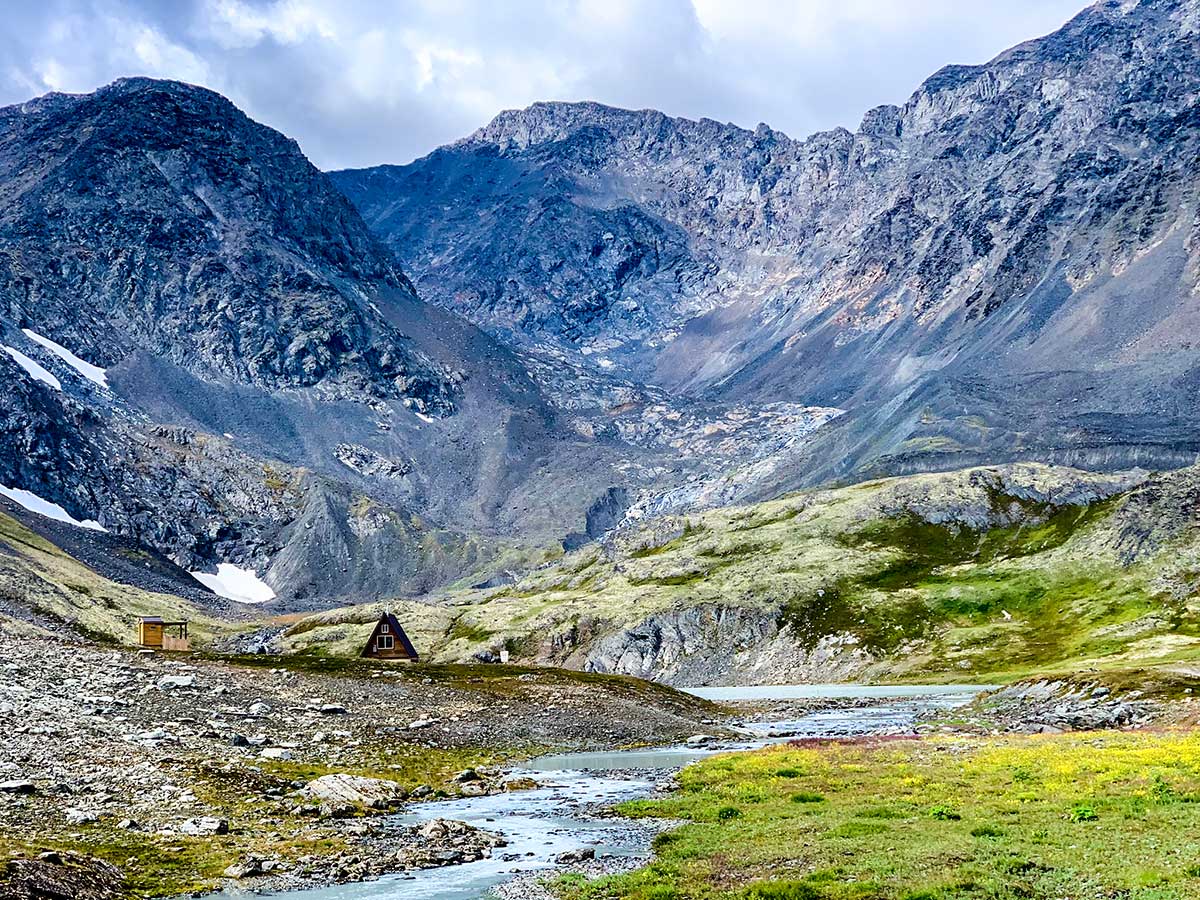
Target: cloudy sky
359 82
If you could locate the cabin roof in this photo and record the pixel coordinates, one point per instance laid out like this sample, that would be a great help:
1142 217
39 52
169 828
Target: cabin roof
395 628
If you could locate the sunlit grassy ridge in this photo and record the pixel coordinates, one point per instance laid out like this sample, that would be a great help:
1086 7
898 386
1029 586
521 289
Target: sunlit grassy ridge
995 570
1098 816
37 576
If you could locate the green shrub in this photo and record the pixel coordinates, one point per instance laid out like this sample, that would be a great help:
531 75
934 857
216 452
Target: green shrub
880 812
726 813
944 813
1082 812
783 890
1161 790
990 831
806 797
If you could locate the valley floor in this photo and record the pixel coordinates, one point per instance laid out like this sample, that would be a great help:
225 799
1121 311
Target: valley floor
184 771
134 774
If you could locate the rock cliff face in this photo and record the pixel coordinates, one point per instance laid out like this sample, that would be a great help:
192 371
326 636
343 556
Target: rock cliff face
1003 267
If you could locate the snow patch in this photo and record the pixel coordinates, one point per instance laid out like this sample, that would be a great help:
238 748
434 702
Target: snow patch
235 583
82 366
423 417
32 368
36 504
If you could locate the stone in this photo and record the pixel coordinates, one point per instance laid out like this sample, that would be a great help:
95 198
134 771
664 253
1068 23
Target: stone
572 857
21 786
245 869
204 825
174 682
81 816
277 753
333 709
259 709
357 790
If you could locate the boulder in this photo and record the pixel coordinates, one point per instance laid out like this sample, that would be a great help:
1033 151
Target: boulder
81 816
572 857
173 682
204 825
21 786
356 790
245 869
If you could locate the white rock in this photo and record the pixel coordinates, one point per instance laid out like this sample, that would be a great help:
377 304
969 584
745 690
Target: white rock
171 682
354 789
204 825
81 816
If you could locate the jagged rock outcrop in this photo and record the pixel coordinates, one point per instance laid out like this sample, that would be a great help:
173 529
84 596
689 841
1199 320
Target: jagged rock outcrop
724 644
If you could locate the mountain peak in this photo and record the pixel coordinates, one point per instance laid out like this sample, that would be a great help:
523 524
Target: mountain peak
550 121
258 267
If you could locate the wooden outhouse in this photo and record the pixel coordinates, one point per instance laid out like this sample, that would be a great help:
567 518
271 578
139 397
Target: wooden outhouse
388 641
154 632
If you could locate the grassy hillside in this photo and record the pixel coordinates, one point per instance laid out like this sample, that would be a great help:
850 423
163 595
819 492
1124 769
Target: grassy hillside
974 573
45 587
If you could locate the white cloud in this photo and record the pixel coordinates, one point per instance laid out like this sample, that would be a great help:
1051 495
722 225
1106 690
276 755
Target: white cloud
359 82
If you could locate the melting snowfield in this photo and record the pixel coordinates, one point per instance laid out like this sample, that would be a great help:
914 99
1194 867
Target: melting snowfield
235 583
32 368
35 504
82 366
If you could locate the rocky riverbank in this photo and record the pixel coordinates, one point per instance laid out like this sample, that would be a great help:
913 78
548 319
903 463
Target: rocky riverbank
185 773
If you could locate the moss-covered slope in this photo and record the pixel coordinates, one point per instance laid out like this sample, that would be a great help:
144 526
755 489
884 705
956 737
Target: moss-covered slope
46 588
966 574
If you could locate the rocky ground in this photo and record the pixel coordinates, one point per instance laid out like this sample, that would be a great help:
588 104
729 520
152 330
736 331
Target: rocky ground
185 773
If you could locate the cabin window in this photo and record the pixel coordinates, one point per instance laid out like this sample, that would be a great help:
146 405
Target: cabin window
385 642
383 629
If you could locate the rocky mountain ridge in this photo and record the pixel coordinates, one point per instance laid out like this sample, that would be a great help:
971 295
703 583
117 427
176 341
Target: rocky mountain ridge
221 247
1018 241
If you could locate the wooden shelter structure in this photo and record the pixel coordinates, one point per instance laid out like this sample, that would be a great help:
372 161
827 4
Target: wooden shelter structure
154 632
388 641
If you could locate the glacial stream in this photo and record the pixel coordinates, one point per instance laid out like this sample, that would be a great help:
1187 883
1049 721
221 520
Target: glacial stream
556 817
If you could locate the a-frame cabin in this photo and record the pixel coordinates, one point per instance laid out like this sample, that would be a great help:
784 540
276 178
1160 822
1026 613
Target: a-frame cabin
388 641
